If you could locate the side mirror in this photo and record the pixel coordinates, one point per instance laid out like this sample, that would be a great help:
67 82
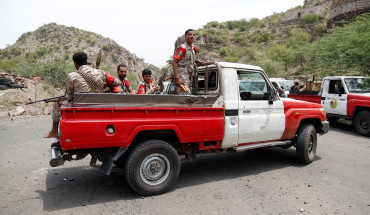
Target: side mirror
272 96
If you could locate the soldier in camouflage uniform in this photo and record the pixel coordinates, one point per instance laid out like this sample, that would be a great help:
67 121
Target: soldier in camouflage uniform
125 86
147 87
84 80
183 63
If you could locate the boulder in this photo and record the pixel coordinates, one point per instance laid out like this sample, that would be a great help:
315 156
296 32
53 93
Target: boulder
17 111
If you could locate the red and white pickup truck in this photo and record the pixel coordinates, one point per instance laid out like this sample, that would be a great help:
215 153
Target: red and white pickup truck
148 134
346 97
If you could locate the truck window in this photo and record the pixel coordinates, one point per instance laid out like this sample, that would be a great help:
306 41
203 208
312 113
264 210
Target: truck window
212 79
336 87
252 86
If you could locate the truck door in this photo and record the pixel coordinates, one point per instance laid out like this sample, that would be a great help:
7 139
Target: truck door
334 97
258 120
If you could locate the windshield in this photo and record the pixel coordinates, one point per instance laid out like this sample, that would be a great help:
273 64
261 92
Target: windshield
358 85
287 84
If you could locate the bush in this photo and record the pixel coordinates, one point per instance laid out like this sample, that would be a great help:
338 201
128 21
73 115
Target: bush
309 19
232 24
224 51
15 51
264 38
106 48
214 24
254 22
132 78
53 70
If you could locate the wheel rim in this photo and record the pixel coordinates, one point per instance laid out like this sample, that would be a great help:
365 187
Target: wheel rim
154 169
311 144
364 123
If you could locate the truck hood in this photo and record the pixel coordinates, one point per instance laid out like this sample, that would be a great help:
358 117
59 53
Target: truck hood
292 103
360 95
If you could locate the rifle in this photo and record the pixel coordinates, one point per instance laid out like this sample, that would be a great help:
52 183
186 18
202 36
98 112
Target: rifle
99 58
45 100
161 79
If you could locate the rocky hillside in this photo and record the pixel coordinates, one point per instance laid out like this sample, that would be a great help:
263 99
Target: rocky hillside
284 44
59 41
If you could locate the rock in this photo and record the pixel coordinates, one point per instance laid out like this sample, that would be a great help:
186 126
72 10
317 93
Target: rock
4 114
46 111
301 210
17 111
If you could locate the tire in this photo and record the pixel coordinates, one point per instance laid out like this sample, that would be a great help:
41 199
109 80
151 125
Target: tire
306 143
3 87
164 164
5 81
362 123
16 86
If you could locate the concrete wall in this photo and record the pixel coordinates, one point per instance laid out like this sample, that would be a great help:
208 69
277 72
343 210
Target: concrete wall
344 6
294 15
344 10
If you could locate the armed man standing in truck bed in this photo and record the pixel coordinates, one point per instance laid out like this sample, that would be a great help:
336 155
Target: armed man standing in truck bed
183 63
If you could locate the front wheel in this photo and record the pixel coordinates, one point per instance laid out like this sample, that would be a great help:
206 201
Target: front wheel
362 123
152 167
306 143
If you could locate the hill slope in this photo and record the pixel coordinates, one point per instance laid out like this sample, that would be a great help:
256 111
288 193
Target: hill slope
53 41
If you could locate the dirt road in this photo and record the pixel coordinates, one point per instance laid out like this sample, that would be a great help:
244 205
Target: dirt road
269 181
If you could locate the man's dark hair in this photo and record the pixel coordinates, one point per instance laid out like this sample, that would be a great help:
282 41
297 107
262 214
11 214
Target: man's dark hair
89 63
80 58
187 31
121 65
146 72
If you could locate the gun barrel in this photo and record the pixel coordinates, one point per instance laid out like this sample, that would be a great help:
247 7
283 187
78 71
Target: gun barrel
45 100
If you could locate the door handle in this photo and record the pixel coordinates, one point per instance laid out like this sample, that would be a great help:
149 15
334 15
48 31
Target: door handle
246 111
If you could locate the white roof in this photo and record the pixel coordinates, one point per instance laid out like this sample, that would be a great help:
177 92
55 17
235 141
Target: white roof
239 66
340 77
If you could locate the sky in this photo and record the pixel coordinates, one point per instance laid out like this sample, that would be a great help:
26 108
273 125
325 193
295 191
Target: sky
147 28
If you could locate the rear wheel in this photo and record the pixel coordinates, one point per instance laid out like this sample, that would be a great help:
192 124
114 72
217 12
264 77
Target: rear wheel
152 167
362 123
306 143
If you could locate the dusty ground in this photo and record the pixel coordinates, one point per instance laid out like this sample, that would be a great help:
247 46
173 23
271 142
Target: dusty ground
269 181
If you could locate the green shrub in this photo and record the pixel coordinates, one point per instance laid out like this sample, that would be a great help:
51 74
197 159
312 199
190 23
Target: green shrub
254 22
224 51
231 25
106 48
132 78
15 51
41 51
31 55
213 24
309 19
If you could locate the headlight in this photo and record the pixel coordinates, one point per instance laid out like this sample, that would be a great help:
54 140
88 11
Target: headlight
323 111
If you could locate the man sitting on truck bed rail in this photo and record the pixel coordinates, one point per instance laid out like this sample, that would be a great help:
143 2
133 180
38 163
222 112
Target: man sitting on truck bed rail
183 63
147 87
125 86
84 80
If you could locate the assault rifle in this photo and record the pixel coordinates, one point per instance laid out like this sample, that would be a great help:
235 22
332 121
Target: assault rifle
46 100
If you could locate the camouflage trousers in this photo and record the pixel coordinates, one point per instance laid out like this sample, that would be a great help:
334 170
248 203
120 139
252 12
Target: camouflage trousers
186 79
56 114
